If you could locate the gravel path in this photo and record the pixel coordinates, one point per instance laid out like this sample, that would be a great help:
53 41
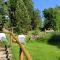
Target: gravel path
5 54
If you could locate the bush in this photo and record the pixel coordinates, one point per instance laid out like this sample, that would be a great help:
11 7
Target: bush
44 37
55 40
38 36
32 35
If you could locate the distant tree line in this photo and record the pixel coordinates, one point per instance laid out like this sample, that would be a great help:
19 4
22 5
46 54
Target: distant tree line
52 18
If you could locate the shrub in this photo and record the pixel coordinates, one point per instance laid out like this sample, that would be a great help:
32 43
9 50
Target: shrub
45 37
55 40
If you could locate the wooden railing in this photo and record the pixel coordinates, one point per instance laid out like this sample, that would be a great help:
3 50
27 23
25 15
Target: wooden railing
15 40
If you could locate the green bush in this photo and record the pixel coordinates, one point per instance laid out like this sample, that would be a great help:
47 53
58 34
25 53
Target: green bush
42 36
55 40
45 37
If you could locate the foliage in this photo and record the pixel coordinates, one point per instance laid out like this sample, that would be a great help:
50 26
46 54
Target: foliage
34 14
29 6
57 12
49 18
55 40
12 8
3 13
36 22
52 19
22 16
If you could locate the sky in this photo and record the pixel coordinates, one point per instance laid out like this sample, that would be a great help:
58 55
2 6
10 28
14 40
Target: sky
42 4
5 0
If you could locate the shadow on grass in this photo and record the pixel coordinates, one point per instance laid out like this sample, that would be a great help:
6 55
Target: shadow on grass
55 40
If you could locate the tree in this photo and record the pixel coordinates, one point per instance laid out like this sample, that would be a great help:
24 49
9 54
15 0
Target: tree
22 16
49 18
52 18
30 7
34 14
21 13
57 12
36 21
12 9
2 14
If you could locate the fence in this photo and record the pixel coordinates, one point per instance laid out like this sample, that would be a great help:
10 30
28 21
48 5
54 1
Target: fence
15 40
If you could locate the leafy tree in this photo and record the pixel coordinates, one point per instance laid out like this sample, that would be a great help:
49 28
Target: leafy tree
49 18
29 6
34 14
12 9
52 18
22 16
1 14
57 12
36 21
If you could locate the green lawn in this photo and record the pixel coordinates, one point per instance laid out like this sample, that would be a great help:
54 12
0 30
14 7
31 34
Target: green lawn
15 51
38 51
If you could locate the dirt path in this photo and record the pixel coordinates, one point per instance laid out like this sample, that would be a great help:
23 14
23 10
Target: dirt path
5 54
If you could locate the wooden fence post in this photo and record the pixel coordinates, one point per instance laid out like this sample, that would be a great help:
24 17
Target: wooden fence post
15 39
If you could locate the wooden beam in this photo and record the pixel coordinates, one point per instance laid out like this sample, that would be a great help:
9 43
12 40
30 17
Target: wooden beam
15 39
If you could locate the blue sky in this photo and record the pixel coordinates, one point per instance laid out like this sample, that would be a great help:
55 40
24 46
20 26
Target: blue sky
42 4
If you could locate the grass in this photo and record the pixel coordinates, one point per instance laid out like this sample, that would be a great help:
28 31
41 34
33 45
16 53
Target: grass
38 51
15 51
